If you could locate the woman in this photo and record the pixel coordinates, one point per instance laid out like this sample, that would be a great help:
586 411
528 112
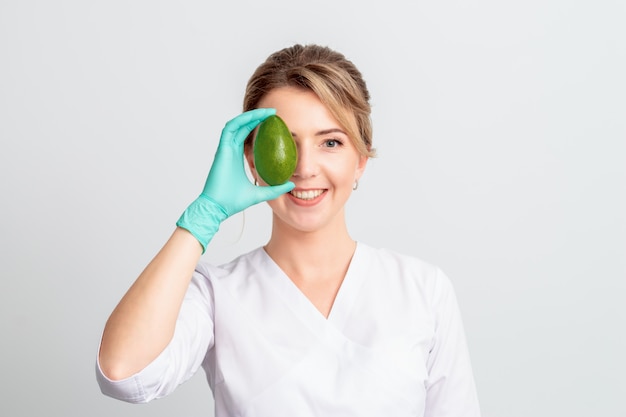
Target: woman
313 323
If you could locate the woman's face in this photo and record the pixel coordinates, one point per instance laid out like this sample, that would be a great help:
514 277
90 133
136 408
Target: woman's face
328 163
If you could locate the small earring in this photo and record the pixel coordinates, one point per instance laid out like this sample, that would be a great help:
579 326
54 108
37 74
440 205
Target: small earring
356 184
256 183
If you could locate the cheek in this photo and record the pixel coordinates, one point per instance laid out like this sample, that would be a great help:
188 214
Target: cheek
344 171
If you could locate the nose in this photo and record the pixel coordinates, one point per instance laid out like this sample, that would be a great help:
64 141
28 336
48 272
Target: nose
307 165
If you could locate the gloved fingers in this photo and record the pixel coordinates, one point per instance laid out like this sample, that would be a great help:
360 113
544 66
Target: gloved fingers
270 192
237 129
229 154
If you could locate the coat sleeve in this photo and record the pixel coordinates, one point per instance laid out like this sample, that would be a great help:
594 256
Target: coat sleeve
451 390
181 358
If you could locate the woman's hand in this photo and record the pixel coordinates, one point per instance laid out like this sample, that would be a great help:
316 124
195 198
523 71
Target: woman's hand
227 189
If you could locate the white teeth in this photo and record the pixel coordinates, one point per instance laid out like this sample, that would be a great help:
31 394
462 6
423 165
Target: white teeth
306 195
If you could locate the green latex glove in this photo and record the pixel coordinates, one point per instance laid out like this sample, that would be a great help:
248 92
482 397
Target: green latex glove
227 189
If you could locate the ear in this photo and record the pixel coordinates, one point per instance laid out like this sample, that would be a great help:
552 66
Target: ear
360 167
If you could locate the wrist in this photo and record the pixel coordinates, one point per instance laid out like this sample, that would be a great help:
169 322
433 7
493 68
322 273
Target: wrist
202 218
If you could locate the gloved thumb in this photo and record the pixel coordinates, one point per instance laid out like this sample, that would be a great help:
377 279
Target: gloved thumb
271 192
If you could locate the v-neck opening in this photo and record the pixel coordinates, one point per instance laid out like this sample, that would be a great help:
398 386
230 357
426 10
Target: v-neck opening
346 294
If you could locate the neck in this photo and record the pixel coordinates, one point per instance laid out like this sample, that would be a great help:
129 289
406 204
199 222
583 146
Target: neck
304 253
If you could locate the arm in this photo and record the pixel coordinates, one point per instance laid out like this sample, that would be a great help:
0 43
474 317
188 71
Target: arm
451 390
144 321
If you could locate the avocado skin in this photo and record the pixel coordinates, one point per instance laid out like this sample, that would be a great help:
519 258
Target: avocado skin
275 152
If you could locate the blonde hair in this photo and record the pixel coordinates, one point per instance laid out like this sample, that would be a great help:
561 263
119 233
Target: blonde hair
333 78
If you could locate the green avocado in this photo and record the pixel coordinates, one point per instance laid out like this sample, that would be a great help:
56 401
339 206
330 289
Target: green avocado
275 153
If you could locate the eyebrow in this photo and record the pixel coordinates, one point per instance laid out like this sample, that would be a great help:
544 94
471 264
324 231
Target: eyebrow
325 132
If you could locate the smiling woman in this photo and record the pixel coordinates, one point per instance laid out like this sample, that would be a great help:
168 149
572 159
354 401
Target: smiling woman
313 323
328 166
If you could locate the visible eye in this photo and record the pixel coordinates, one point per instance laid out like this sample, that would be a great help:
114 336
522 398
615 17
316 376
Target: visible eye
333 143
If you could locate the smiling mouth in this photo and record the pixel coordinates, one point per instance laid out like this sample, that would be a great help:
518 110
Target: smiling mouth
306 195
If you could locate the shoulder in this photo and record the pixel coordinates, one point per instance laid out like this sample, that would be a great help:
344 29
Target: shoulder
239 271
396 261
406 270
207 277
251 260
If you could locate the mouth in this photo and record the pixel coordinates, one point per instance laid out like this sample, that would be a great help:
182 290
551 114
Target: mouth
306 194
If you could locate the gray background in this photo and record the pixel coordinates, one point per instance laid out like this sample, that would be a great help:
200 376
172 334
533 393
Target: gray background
501 133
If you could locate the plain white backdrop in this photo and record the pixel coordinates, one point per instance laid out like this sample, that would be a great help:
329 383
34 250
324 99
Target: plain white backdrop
501 131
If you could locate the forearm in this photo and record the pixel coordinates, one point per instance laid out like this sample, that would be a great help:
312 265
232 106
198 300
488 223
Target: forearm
143 322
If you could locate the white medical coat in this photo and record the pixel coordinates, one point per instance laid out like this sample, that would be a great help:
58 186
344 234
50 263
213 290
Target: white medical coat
392 345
